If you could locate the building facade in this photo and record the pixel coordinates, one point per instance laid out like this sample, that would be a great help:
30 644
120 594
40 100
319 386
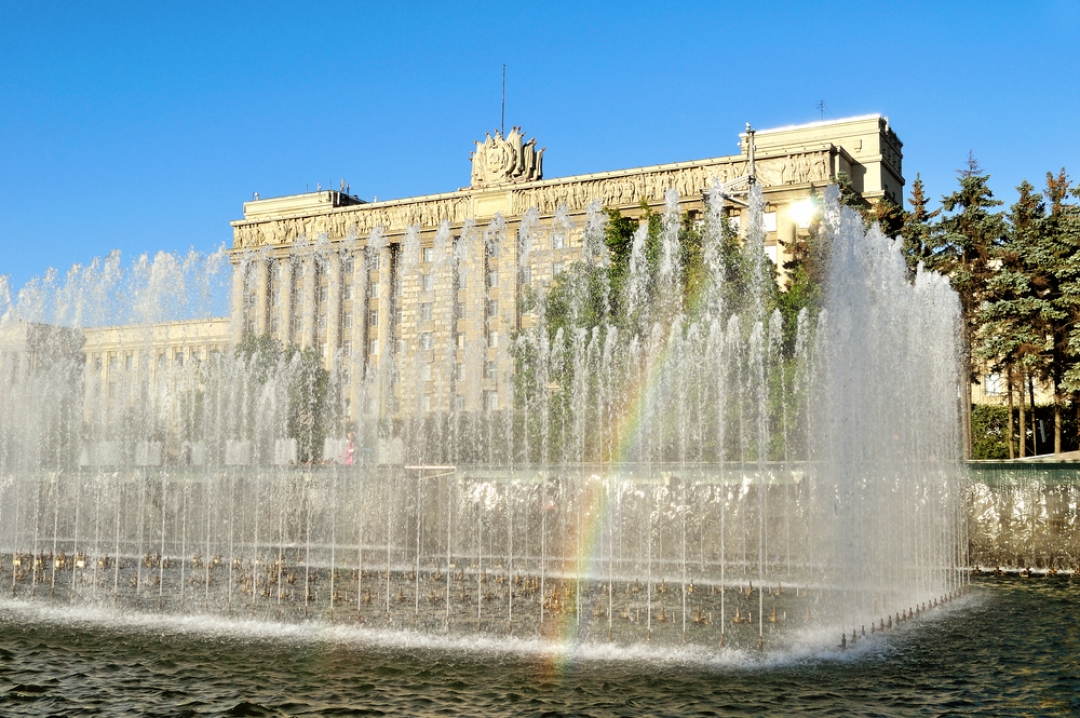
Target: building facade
433 285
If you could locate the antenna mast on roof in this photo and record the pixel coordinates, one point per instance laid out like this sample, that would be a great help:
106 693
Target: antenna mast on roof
821 108
502 125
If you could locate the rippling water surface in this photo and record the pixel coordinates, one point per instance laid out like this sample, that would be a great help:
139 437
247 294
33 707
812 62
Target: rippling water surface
1011 648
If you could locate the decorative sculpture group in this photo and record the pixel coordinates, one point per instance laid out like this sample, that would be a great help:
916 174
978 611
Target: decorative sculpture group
505 160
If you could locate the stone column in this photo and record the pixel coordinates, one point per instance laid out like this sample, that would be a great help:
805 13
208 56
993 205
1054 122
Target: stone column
236 325
358 358
787 230
333 309
508 313
307 331
382 331
262 296
285 303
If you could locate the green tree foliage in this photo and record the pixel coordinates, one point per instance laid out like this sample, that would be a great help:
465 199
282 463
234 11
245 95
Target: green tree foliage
917 228
309 414
966 236
806 269
990 434
1056 264
1009 336
884 212
961 249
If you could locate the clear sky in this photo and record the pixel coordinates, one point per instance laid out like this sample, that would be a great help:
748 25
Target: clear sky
145 126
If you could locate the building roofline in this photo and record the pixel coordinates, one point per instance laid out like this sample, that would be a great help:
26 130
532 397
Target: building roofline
820 123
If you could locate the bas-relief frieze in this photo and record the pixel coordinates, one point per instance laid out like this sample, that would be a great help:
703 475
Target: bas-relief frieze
622 191
358 222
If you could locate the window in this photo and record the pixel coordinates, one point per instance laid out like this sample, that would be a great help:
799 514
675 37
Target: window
992 382
426 403
459 403
347 265
322 322
556 269
425 372
526 275
428 254
375 290
493 278
461 282
373 346
769 220
425 282
161 359
324 292
493 307
425 312
273 325
425 341
494 249
490 371
347 320
460 371
493 339
558 240
375 262
178 359
347 292
346 348
460 341
460 309
373 318
491 400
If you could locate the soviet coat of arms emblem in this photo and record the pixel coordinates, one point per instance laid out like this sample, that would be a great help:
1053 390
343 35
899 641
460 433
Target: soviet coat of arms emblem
505 160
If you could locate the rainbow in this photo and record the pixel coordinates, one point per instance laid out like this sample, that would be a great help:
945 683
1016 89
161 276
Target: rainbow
585 541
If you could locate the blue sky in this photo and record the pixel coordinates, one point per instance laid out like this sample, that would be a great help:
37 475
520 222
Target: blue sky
145 126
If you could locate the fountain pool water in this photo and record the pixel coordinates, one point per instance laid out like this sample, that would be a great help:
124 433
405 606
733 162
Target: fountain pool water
683 462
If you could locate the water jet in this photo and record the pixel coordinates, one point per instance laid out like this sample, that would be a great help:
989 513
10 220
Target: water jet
712 440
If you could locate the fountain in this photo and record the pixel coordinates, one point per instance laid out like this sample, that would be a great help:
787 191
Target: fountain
682 461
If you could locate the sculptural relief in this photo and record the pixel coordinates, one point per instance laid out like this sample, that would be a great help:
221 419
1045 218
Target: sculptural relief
508 160
504 160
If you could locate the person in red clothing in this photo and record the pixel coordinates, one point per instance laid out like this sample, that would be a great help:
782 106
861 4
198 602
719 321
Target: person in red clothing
350 449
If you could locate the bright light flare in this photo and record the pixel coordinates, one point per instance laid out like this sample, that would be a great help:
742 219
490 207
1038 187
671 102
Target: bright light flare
802 212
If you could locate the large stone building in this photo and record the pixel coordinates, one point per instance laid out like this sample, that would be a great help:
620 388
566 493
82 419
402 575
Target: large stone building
433 284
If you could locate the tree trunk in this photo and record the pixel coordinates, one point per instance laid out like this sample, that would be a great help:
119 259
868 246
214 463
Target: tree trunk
1057 416
1034 418
1023 420
1009 388
965 361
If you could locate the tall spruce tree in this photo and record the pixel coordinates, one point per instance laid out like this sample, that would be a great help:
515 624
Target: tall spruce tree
961 249
1061 251
1010 337
1049 259
916 228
